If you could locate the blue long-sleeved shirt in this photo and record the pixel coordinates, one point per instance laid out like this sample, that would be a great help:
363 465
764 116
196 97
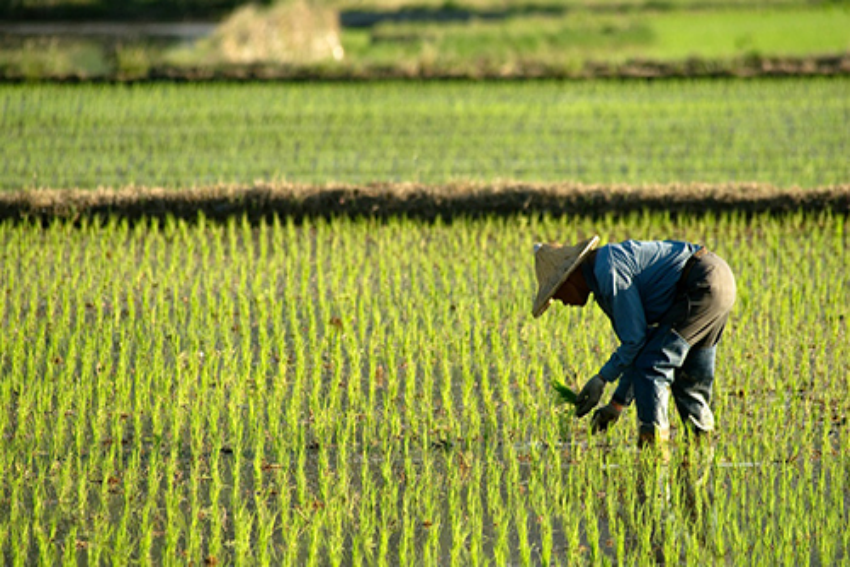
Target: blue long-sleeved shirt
634 283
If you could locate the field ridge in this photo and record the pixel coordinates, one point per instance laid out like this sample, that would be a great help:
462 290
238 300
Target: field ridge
412 200
753 66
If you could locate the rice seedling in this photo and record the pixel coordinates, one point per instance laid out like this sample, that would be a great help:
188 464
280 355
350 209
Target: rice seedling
562 393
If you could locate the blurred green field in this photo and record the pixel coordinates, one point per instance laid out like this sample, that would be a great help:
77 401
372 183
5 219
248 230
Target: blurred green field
471 40
720 34
788 133
571 40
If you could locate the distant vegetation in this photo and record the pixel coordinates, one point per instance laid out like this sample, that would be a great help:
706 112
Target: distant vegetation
119 9
479 38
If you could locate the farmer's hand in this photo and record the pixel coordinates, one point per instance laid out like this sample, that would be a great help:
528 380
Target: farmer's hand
605 416
590 395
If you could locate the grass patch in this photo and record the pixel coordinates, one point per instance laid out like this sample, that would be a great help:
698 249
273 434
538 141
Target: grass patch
574 39
720 34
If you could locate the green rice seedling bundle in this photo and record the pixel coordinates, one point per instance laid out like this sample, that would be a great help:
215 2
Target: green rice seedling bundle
349 392
562 393
784 133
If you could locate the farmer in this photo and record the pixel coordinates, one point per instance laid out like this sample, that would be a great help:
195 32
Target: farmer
668 303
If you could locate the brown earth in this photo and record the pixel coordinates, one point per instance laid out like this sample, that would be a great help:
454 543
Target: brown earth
755 66
265 201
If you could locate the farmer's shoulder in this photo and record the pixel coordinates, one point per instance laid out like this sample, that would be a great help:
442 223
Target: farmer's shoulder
634 248
616 257
619 252
633 256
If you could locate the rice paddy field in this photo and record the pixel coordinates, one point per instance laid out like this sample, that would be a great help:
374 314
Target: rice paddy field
353 391
784 133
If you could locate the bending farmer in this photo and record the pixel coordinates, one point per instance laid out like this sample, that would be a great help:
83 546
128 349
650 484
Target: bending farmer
668 303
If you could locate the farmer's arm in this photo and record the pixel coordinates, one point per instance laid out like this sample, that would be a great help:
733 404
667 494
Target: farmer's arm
628 320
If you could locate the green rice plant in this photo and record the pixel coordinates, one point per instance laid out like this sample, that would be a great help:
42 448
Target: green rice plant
563 394
243 527
408 520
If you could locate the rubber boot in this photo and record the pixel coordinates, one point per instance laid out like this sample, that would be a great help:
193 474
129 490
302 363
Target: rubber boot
653 439
654 486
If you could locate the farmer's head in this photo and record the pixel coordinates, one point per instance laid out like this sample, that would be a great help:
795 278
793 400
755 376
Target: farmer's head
559 276
574 290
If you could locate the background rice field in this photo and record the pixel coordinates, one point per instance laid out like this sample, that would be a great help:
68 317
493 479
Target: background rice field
352 392
422 38
786 133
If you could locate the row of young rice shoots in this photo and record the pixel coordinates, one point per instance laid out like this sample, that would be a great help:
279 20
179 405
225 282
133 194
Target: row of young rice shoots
783 132
351 392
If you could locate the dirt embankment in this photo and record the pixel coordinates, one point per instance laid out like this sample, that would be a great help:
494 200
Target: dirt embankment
258 202
831 65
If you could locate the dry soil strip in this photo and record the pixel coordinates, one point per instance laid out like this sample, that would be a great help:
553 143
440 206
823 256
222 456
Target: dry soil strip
425 202
828 65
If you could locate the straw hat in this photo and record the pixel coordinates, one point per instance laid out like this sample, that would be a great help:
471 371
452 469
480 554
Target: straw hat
553 265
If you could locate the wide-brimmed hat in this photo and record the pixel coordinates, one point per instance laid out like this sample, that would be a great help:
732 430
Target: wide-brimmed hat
553 265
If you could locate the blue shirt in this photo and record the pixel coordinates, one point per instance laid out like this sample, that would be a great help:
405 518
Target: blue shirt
634 283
